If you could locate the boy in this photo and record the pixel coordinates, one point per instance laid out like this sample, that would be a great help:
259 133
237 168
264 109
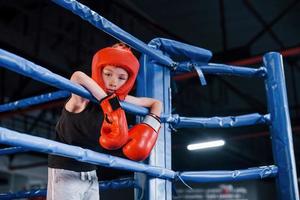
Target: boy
84 124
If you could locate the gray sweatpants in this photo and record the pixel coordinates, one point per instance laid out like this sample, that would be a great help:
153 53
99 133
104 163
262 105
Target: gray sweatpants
70 185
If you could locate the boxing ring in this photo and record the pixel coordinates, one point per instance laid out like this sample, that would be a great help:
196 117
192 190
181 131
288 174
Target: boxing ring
153 180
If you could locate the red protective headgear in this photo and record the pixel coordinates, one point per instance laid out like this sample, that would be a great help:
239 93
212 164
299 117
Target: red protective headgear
119 57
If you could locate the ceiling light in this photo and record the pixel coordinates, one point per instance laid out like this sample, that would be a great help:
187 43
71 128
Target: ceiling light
205 145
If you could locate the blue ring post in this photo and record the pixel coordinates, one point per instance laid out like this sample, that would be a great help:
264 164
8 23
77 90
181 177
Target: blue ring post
280 128
154 81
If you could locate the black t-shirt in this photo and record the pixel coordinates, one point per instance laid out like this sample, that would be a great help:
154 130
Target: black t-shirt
79 129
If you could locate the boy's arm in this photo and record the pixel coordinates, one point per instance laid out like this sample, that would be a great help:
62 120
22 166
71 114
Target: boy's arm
154 105
143 136
77 103
114 130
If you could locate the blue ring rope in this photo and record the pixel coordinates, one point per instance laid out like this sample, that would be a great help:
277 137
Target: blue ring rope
15 138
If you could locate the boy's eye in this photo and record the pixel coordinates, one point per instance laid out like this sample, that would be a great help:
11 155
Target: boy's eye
107 74
122 78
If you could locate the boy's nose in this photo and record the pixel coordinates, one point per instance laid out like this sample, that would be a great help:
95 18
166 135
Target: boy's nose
113 83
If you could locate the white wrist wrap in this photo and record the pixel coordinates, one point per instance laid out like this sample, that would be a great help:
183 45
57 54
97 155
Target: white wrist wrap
153 122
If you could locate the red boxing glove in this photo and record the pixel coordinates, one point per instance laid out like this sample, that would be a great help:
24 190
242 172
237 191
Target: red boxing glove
114 130
142 138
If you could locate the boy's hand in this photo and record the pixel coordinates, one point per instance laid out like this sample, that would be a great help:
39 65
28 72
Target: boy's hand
142 138
114 130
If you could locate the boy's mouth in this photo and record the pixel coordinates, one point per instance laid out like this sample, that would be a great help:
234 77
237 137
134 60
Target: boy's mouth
110 91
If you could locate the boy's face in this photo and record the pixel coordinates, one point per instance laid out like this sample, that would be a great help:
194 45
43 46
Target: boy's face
114 77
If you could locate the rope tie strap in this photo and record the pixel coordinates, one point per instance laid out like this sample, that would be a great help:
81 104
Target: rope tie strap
178 177
200 74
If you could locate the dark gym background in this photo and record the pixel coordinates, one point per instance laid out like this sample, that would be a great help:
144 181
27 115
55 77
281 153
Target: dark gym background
236 31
